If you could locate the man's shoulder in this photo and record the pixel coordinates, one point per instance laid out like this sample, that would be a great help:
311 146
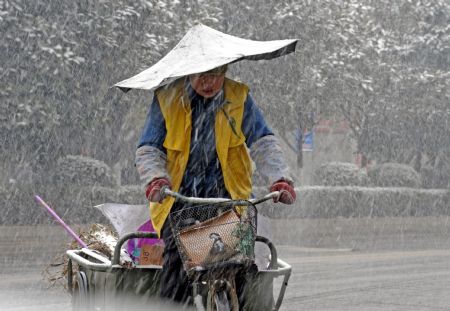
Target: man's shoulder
236 91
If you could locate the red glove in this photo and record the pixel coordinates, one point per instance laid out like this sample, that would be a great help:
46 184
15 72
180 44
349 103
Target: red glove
153 192
287 191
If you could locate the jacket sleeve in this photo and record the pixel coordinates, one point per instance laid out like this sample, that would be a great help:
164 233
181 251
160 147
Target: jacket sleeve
269 159
150 164
265 149
151 156
253 124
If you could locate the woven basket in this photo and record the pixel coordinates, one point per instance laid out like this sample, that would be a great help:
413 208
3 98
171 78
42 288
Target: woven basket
216 240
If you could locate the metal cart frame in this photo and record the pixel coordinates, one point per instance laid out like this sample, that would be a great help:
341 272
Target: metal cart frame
101 284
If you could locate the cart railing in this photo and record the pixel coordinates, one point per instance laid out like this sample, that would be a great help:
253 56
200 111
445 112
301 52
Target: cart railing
81 256
90 260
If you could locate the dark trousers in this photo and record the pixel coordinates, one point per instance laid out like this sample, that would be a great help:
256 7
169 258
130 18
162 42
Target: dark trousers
174 284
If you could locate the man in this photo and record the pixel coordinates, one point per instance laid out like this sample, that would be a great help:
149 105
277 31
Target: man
201 135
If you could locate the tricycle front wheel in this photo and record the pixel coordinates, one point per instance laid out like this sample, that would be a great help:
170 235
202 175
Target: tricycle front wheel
220 302
222 297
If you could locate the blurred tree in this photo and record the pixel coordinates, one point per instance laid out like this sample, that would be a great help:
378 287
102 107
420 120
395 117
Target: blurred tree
382 66
62 59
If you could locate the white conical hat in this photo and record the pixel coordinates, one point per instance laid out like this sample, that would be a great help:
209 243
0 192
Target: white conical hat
200 50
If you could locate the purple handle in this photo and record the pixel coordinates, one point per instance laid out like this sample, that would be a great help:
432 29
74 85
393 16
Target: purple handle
61 222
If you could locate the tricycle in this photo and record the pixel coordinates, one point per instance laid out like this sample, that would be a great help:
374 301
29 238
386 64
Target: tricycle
214 247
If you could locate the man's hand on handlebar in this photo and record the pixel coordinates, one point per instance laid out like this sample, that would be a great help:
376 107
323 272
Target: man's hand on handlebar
287 192
153 191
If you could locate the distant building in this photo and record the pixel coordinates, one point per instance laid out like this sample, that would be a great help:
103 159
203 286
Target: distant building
328 141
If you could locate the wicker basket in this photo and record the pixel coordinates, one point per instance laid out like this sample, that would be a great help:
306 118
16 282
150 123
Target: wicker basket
227 236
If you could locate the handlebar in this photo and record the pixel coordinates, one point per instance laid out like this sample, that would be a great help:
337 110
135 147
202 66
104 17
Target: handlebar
165 191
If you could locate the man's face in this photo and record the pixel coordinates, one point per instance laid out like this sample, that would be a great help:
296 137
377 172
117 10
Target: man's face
207 84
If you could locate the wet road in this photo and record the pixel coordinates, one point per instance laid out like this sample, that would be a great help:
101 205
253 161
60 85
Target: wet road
381 275
344 280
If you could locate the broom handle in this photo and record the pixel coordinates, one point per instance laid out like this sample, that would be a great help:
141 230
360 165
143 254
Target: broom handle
61 222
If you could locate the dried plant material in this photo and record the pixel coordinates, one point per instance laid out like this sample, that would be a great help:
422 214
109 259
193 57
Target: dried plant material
100 238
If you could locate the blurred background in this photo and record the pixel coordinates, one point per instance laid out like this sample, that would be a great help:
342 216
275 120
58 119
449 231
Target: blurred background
364 101
362 109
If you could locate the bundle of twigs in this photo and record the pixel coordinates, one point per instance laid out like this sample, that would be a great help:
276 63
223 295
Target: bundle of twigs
98 237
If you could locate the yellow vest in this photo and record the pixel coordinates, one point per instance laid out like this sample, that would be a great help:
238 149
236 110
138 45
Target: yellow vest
230 142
